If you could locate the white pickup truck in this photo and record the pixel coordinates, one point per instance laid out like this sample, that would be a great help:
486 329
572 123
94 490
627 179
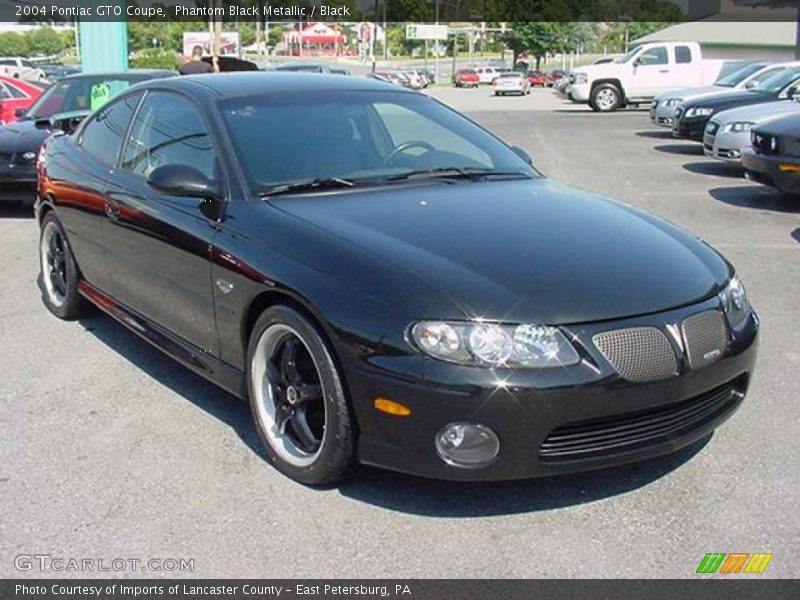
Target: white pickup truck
20 68
642 73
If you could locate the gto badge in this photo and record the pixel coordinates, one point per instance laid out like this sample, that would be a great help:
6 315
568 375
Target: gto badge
225 286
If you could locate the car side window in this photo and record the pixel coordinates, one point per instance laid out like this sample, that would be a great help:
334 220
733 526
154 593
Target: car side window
168 130
102 136
15 92
654 56
683 54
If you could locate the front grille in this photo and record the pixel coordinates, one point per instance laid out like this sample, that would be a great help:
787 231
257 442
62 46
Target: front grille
764 144
705 335
6 157
712 127
791 146
638 353
633 431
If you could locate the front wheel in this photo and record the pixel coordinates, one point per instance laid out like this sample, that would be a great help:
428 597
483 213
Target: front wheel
605 97
298 400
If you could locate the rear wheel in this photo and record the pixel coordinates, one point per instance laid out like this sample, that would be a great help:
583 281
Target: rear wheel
59 273
297 399
605 97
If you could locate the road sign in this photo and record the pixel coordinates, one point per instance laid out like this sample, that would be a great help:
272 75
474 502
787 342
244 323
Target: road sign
426 31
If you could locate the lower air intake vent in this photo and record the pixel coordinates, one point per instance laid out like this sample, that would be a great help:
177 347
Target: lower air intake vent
638 353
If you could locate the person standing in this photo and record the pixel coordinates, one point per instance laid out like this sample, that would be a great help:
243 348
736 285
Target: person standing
195 65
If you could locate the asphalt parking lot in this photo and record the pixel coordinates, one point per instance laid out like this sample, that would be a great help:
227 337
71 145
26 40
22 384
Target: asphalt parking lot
111 450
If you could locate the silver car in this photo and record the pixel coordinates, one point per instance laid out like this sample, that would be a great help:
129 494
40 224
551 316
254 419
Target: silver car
728 132
662 110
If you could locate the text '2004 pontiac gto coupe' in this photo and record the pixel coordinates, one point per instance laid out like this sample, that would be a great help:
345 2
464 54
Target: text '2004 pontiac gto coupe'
388 283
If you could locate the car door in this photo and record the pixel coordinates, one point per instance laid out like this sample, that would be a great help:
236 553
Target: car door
88 181
651 73
685 70
158 245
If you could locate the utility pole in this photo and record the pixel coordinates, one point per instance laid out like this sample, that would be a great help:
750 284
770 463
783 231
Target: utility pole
436 48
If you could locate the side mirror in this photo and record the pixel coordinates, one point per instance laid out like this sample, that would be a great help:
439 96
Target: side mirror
637 62
523 154
20 112
182 180
750 84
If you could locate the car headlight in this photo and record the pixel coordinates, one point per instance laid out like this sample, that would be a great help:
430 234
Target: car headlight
580 78
490 344
734 301
739 126
699 111
673 102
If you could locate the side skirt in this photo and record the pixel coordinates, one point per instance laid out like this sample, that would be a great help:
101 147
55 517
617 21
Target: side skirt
216 371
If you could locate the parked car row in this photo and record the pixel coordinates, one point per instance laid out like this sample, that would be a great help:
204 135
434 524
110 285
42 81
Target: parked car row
415 79
749 118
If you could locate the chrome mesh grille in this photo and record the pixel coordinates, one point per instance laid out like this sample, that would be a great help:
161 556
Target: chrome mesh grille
705 336
638 353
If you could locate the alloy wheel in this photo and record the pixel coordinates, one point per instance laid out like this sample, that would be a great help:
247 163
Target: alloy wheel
53 252
289 395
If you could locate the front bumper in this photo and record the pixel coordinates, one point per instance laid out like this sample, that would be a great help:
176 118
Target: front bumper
12 172
580 92
662 115
530 410
726 146
780 172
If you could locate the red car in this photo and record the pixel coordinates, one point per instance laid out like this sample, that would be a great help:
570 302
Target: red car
537 78
466 78
16 96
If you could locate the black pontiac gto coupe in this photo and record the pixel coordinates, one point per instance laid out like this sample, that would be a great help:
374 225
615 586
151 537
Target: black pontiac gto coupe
388 283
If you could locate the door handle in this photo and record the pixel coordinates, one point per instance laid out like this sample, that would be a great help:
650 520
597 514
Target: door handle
112 208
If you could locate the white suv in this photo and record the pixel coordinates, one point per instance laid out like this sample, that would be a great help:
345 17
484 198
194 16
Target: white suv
488 74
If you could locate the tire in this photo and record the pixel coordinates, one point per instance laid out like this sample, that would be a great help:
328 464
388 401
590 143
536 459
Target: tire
308 433
605 97
58 272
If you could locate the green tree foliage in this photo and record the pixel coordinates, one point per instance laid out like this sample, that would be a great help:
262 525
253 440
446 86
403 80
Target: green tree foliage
13 44
156 58
44 40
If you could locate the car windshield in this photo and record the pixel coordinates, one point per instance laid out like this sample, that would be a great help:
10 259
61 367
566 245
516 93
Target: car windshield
737 77
777 82
295 137
627 56
83 93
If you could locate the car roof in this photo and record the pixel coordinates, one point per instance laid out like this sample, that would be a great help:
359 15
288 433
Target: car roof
140 73
246 83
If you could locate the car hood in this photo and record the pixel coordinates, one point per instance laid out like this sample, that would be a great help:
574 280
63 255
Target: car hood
785 126
691 92
734 98
521 250
758 112
22 136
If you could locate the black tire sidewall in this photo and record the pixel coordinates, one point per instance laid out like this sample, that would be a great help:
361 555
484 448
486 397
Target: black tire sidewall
73 306
598 89
337 453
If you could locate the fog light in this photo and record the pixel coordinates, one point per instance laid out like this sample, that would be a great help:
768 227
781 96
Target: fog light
467 445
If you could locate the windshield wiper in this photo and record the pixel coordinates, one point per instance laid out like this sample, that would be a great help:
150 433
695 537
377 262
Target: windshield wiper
327 183
475 173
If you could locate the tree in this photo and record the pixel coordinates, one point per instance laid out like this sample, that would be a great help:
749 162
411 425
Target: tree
44 40
537 38
13 44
